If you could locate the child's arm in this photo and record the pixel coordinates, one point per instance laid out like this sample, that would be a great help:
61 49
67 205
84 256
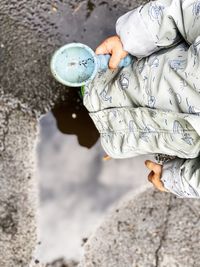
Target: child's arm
159 24
149 28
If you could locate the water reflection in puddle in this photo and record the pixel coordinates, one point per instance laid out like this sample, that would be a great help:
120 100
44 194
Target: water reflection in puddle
76 189
72 118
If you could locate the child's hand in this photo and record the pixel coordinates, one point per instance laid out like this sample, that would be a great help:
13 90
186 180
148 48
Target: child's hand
113 46
155 175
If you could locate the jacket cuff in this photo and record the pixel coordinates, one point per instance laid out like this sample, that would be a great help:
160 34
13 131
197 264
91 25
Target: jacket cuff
134 35
174 181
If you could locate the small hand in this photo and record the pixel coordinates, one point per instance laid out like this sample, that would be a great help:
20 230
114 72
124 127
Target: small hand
155 175
113 46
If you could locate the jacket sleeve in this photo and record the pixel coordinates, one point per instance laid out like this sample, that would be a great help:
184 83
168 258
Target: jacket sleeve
159 24
182 177
128 132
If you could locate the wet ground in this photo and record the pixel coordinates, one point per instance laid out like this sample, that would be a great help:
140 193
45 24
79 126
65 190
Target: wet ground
76 186
88 22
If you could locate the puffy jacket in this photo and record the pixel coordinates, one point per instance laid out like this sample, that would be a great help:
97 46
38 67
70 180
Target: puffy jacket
153 105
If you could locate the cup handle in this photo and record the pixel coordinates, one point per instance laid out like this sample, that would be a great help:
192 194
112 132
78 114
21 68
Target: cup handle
103 60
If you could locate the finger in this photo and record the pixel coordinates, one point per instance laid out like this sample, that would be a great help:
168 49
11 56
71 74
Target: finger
153 178
149 164
157 168
115 59
159 184
114 62
106 157
150 176
102 49
156 181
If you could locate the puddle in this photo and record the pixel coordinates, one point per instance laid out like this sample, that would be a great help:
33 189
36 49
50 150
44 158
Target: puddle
72 118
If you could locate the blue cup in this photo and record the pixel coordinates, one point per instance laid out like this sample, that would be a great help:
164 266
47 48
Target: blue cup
76 64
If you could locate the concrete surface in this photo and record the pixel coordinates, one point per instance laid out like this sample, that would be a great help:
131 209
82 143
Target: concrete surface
18 187
149 229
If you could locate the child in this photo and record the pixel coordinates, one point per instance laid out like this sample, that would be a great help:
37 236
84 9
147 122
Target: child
153 105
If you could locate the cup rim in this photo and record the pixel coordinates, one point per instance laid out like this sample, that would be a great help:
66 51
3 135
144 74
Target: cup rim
59 51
